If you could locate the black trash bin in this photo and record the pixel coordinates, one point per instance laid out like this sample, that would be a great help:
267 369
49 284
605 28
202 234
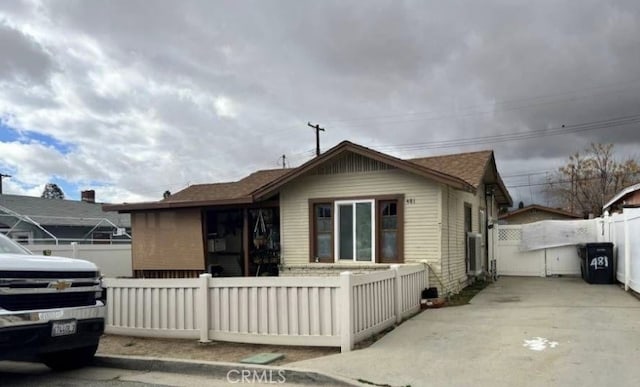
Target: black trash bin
597 262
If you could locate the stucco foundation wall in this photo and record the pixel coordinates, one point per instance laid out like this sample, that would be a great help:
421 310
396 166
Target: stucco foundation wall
168 240
421 209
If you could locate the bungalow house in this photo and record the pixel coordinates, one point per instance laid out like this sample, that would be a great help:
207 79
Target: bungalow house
351 208
535 213
35 220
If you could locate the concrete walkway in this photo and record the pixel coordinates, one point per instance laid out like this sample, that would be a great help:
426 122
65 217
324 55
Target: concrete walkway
517 332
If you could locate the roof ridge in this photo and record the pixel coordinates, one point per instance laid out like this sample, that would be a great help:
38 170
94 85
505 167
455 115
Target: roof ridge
451 155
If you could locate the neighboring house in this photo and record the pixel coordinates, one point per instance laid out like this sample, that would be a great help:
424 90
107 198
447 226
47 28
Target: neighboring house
351 208
628 197
535 213
34 220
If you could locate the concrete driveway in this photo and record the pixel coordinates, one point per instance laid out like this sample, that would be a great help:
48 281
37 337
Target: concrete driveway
517 332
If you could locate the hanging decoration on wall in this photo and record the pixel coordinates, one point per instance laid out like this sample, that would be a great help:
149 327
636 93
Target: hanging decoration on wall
259 232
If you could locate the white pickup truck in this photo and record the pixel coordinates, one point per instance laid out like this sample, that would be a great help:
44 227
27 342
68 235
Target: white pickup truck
51 308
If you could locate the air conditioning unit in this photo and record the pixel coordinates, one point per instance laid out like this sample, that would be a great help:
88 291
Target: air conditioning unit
474 254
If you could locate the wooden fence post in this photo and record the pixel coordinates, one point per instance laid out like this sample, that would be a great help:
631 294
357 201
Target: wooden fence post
203 307
346 312
397 296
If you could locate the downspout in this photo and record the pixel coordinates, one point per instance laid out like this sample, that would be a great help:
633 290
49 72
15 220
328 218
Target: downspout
486 228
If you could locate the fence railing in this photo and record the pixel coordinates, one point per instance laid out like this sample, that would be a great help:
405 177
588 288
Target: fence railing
315 311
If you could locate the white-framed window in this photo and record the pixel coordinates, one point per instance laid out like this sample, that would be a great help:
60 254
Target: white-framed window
354 229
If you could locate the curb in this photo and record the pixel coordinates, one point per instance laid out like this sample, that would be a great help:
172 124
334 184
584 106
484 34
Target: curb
221 369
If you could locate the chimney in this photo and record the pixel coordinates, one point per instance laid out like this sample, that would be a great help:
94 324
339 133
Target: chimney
88 196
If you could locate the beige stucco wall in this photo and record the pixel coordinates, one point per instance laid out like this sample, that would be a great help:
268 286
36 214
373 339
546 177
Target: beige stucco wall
421 209
167 240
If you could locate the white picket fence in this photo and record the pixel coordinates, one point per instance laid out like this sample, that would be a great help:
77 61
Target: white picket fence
314 311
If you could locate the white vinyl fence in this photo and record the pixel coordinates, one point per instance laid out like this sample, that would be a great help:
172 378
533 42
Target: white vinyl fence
113 260
624 231
520 250
515 258
315 311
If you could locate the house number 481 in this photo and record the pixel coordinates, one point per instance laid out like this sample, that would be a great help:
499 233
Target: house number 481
599 262
411 201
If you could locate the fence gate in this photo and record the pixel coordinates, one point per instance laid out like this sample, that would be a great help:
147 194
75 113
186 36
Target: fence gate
511 261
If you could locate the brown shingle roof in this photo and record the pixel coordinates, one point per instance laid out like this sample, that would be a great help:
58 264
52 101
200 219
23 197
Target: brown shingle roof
241 189
463 171
470 167
237 192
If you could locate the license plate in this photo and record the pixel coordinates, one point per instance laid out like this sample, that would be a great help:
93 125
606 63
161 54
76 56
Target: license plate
63 328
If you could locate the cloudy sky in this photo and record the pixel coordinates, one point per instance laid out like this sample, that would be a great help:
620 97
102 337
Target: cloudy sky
132 98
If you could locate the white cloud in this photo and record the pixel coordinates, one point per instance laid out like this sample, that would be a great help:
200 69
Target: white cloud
225 107
203 91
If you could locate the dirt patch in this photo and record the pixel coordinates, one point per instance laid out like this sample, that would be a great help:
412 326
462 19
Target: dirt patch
467 294
214 351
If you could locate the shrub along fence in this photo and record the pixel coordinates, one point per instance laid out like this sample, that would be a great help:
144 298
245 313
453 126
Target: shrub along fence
316 311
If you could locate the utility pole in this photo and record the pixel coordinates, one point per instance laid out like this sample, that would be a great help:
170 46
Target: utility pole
1 176
284 161
318 129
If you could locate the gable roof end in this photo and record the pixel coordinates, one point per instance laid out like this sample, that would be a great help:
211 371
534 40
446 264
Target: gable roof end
347 146
475 168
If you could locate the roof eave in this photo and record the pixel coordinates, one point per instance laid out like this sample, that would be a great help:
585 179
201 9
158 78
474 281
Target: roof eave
125 208
508 199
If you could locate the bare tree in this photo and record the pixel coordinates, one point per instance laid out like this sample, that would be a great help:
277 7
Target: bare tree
589 180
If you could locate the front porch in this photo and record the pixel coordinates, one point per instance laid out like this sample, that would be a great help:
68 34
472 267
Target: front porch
235 241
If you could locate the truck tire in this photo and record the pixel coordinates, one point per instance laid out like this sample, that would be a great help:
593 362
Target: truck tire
70 359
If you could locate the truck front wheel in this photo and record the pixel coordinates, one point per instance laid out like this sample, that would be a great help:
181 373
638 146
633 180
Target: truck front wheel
70 359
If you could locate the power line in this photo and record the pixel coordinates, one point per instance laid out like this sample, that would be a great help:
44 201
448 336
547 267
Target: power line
552 182
504 137
525 174
473 109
